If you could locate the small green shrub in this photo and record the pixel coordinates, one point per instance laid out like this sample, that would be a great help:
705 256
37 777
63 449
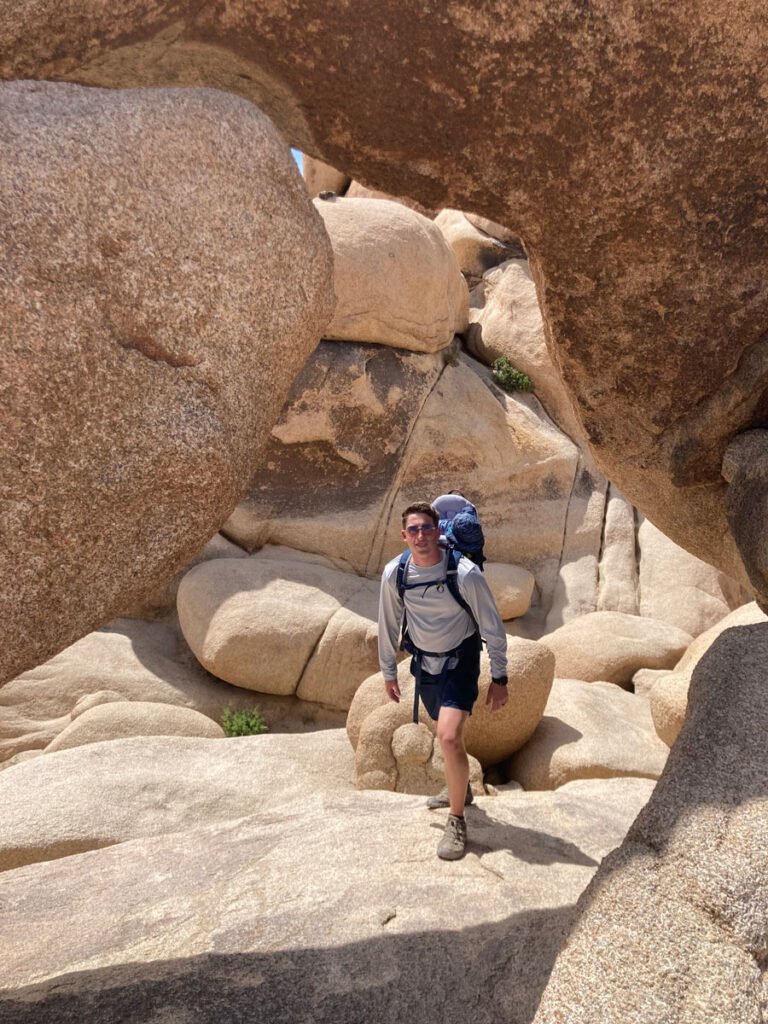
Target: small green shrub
507 377
242 722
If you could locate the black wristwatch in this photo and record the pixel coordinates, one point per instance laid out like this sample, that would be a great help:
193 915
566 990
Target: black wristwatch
501 681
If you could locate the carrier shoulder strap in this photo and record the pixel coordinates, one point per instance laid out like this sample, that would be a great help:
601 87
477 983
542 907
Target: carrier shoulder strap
451 580
401 568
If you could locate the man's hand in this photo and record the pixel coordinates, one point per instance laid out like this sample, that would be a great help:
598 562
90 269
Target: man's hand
497 697
393 690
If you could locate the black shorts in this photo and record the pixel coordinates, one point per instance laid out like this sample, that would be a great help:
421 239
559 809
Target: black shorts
459 687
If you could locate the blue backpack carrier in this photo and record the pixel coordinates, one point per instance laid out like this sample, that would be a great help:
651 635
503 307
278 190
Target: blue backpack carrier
460 526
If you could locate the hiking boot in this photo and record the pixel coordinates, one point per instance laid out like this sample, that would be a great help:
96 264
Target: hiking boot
443 800
451 846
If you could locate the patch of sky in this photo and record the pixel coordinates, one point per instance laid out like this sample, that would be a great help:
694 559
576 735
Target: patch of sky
298 158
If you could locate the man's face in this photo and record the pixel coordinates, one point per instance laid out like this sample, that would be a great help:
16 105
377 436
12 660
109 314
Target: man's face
422 536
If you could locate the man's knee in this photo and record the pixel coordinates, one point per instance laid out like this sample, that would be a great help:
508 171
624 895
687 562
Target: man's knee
450 732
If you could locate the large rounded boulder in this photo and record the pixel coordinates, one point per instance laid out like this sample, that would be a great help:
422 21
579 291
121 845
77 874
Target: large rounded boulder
282 626
164 277
396 279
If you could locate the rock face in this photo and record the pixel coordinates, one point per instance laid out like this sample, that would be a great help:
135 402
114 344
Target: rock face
612 646
107 793
476 251
320 177
117 719
142 287
218 919
162 600
282 627
663 356
669 696
679 589
705 912
368 431
511 586
396 279
343 434
505 320
589 731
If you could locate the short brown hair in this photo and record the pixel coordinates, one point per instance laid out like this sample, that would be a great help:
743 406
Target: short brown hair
421 508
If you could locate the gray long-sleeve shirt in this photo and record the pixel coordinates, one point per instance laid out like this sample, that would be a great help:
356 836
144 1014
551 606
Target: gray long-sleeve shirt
435 621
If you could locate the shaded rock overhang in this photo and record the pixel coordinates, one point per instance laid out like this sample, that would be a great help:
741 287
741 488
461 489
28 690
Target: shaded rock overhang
623 142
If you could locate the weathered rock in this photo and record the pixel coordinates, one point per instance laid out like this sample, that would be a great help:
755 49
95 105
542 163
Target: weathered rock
357 190
475 250
745 468
347 649
512 588
371 695
361 431
130 660
612 647
505 320
644 680
320 177
99 794
664 355
146 275
492 737
493 229
691 875
140 946
677 587
576 587
264 625
396 279
394 752
669 696
343 434
590 731
373 719
617 590
162 600
114 720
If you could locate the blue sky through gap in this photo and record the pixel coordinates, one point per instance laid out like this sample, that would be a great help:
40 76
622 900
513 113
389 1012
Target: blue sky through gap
297 157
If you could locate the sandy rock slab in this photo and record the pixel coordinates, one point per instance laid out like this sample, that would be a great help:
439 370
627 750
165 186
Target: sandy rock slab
128 660
396 279
674 926
312 911
612 646
117 719
150 328
282 627
101 794
590 731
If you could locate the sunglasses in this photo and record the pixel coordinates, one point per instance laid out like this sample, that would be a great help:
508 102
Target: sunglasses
412 531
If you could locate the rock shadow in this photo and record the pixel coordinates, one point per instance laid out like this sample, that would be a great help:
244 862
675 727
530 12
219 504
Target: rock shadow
488 973
487 834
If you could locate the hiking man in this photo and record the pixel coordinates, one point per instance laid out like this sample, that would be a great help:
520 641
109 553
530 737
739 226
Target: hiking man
444 638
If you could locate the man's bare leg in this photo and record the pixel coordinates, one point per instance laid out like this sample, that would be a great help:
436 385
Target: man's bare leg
450 732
